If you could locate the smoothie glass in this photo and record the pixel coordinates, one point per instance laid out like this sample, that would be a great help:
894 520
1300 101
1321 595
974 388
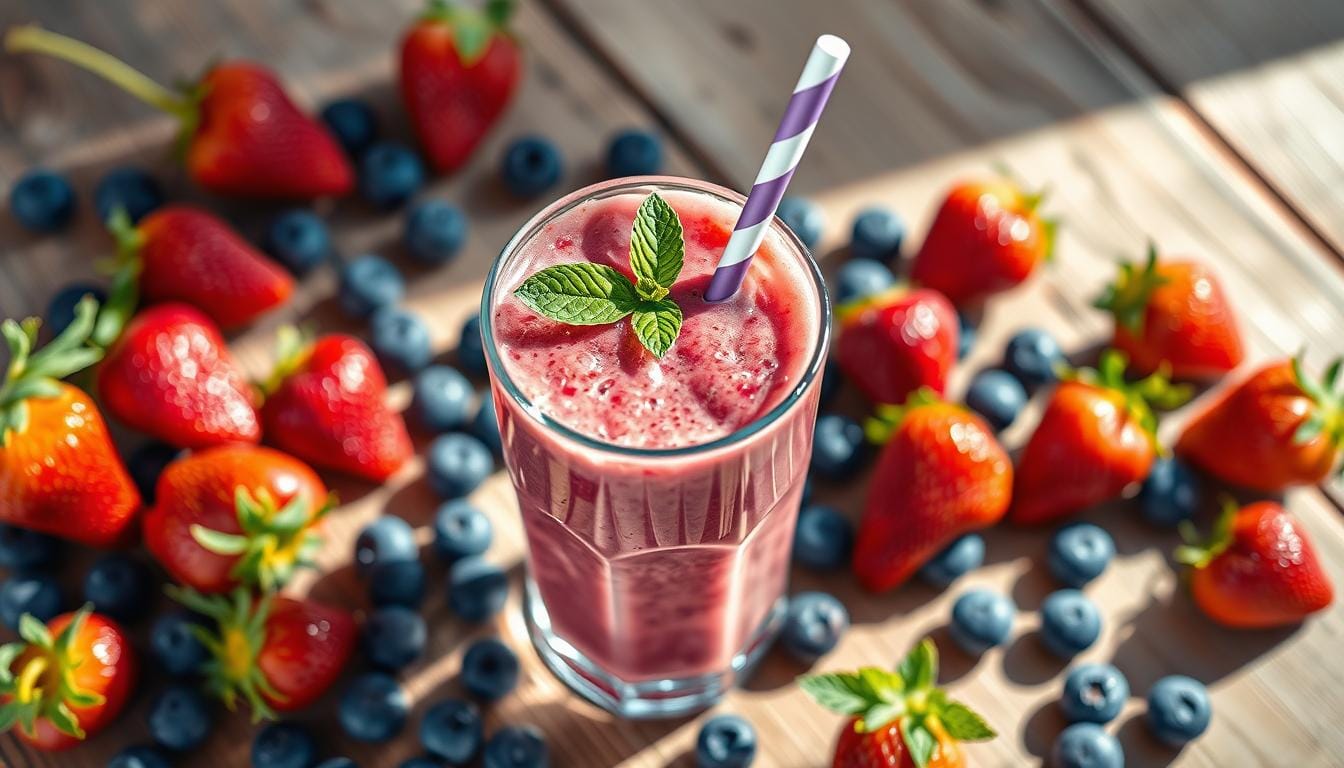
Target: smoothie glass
656 576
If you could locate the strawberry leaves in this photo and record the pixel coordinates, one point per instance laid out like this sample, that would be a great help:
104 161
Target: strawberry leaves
36 372
275 539
30 695
1326 417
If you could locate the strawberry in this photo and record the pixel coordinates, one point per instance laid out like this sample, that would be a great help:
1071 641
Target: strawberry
1276 429
171 376
278 653
897 719
235 515
895 342
941 474
67 680
1173 313
327 404
1257 570
1097 436
986 238
240 132
459 69
59 472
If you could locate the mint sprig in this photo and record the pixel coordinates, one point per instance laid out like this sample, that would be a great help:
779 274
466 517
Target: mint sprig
584 293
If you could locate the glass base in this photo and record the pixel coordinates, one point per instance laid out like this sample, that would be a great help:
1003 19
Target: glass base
646 699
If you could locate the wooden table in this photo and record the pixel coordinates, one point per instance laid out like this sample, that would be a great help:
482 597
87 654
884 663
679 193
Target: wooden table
1215 127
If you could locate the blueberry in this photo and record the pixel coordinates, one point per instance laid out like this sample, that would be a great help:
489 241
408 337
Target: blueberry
130 189
21 548
1178 710
813 625
35 593
531 166
838 447
1170 494
457 463
373 708
832 378
452 730
117 586
400 339
804 217
485 425
337 762
489 669
354 124
283 745
61 309
390 174
400 582
435 231
175 646
861 278
877 235
394 637
516 746
442 399
461 530
299 240
962 556
1070 623
368 284
1093 693
142 756
725 741
42 200
1086 745
179 718
996 395
1079 552
981 619
420 761
147 463
1033 356
823 538
477 588
388 539
965 335
634 152
471 347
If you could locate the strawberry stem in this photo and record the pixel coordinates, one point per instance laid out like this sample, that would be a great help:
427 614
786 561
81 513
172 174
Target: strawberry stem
293 346
1197 552
45 685
234 646
887 418
1127 298
1155 391
37 373
1327 395
274 542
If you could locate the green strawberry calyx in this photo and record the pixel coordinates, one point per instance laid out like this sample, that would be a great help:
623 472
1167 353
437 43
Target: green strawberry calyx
36 372
473 28
1327 414
125 268
44 688
887 418
1143 398
878 697
1198 552
853 308
293 347
275 539
1030 203
232 672
1127 298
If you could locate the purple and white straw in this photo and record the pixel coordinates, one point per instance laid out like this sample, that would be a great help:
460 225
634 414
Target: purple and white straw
795 129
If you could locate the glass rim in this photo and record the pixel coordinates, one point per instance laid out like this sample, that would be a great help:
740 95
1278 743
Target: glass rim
499 372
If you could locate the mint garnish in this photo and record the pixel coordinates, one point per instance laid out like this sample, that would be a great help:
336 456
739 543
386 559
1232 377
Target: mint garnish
584 293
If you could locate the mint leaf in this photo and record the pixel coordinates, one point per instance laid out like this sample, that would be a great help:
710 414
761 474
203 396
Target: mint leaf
656 245
582 293
919 669
841 692
963 723
918 740
657 324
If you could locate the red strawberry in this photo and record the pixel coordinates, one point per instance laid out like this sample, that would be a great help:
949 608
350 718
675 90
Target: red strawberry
898 719
59 472
1258 570
170 375
459 68
942 474
241 133
67 680
278 653
1097 436
1276 429
1173 314
987 237
235 515
327 404
895 342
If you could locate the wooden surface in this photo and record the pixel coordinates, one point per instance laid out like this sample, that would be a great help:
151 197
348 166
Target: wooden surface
1124 112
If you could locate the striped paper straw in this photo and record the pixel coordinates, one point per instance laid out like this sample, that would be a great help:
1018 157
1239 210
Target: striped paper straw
795 129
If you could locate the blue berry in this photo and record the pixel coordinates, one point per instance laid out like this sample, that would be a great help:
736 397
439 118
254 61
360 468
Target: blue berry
877 235
373 708
485 425
179 718
442 398
130 189
813 625
1178 710
354 124
804 217
516 746
283 745
997 396
1170 494
368 284
962 556
337 762
142 756
298 239
725 741
118 586
861 278
21 548
457 463
390 174
388 539
634 152
435 232
35 593
489 669
531 166
42 200
61 309
397 583
471 347
1086 745
452 730
400 339
147 463
175 646
1093 693
1079 552
420 761
838 447
966 332
832 378
823 538
461 530
394 637
981 619
1070 623
1033 356
477 588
